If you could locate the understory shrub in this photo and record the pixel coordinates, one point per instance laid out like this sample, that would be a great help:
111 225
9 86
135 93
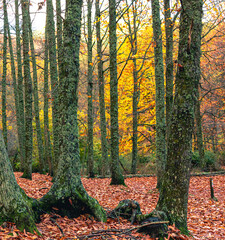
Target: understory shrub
210 161
221 158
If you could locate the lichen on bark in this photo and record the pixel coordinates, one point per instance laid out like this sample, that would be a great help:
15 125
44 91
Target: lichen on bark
15 206
117 177
67 191
159 99
173 197
28 93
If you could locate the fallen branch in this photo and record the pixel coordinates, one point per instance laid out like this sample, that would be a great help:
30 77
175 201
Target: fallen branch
54 221
117 232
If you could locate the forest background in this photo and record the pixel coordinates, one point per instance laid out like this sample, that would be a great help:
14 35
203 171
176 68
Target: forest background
127 116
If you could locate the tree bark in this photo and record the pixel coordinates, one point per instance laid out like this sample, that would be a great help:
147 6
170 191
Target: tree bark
4 118
134 49
59 34
15 206
54 82
169 62
198 119
160 106
47 141
20 86
173 197
117 177
67 192
104 143
90 95
28 93
15 87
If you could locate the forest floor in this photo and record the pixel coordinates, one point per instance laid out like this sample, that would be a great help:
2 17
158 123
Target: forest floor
206 217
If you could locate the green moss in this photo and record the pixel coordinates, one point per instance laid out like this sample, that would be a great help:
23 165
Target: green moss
24 220
117 179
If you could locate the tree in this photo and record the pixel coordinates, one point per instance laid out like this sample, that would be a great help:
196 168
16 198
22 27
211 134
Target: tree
15 86
59 34
136 90
159 81
47 141
54 81
36 101
4 119
198 120
173 197
67 192
169 62
104 144
15 206
134 49
134 18
117 177
20 86
89 94
27 166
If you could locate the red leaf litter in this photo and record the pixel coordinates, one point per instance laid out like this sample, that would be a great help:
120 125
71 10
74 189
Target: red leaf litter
206 217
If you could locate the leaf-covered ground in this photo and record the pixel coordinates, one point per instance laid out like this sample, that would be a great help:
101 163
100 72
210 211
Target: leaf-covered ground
206 218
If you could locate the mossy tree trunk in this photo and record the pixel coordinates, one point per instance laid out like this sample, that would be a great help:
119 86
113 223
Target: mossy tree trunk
67 192
13 73
4 118
173 197
117 177
54 82
169 62
159 81
28 93
90 95
20 86
104 143
47 141
36 102
198 119
59 34
15 206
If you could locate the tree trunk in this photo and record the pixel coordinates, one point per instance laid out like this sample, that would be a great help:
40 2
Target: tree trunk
20 85
15 206
135 92
13 72
4 118
67 192
159 81
54 82
36 102
169 63
104 144
59 34
214 135
198 119
117 177
173 197
28 93
47 142
90 97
